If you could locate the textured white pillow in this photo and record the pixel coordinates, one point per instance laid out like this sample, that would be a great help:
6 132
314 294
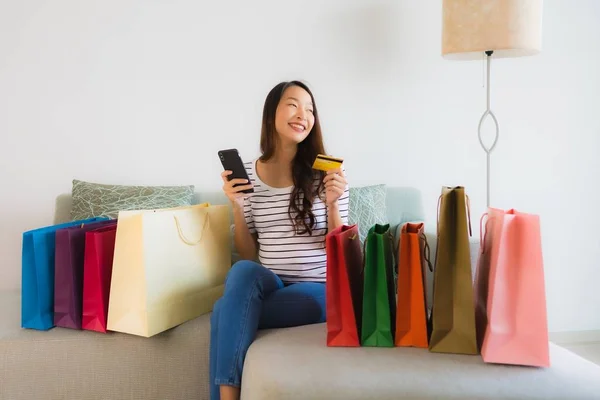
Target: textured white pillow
367 208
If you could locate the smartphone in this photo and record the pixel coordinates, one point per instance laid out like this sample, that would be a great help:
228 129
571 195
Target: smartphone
232 161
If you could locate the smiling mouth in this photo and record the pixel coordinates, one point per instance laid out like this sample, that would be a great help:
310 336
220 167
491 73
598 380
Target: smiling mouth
298 127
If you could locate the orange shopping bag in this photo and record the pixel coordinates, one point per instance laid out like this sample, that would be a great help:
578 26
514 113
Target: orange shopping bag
510 295
412 315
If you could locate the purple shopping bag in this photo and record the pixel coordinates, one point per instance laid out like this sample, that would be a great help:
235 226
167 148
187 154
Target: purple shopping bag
68 273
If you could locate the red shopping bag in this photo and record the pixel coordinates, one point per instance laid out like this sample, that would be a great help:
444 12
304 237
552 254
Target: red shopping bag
68 273
344 287
97 271
512 325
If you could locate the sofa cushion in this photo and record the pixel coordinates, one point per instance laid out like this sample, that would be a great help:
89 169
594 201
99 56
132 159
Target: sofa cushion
367 207
295 363
95 200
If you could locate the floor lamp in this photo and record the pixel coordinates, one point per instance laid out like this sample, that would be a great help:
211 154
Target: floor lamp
473 29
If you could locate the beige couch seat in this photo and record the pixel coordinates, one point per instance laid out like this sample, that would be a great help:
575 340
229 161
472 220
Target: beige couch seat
295 364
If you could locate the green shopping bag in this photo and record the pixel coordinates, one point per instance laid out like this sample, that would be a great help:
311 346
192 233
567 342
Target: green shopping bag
379 296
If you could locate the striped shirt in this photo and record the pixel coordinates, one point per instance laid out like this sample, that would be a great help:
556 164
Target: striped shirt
293 257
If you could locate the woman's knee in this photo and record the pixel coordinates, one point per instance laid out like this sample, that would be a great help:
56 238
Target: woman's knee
245 273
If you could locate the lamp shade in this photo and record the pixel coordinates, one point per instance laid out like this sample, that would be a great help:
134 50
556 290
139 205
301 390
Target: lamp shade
511 28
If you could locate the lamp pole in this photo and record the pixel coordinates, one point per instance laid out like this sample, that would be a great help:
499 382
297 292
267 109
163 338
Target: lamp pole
488 112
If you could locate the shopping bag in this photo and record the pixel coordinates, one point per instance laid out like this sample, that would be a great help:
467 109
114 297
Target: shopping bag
379 294
68 273
411 311
510 291
453 314
97 271
169 267
343 287
37 275
482 274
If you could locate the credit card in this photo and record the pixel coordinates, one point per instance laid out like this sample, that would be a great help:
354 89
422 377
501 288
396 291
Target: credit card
326 163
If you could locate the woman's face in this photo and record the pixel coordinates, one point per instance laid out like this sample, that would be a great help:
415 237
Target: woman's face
294 116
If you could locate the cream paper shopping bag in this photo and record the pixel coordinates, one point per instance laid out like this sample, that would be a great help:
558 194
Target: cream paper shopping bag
169 267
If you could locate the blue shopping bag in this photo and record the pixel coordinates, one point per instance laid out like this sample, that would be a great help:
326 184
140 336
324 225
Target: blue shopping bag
37 281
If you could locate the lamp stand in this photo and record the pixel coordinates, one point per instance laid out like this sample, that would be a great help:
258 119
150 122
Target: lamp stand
488 111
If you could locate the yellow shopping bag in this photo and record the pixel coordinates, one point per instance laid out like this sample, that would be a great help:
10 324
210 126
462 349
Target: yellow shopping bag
169 267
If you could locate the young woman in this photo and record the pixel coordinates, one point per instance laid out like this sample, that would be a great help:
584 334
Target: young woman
282 224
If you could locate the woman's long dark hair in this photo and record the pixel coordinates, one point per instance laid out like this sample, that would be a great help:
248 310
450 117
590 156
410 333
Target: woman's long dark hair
305 190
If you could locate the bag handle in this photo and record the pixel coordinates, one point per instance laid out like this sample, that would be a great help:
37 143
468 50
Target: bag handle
427 252
354 237
393 253
427 257
364 258
182 236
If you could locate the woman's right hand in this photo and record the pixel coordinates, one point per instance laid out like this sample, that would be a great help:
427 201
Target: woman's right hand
234 194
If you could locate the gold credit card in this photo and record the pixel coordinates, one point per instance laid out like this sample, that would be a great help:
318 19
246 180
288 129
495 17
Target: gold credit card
326 163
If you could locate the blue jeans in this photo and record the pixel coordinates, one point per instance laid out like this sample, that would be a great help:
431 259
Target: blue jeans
255 298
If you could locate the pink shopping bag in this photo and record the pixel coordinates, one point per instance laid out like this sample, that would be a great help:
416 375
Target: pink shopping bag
97 272
510 294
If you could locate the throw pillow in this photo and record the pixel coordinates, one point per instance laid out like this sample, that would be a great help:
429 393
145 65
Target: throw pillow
96 200
367 208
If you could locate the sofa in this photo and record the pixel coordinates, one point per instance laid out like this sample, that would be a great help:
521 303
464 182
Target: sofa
291 363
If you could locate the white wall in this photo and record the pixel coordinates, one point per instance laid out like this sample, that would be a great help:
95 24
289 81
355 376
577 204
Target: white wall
146 93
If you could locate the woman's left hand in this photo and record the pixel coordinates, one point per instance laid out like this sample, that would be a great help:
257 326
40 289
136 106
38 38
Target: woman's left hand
335 185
